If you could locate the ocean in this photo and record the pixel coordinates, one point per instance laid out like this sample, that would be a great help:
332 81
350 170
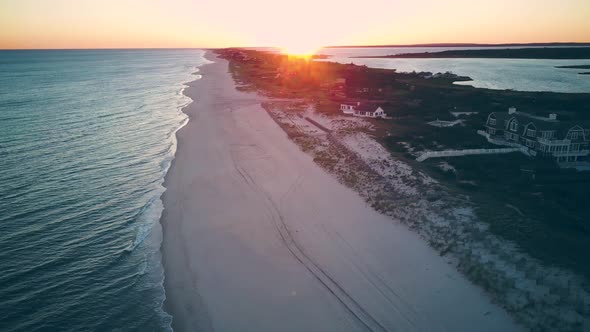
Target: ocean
86 137
499 74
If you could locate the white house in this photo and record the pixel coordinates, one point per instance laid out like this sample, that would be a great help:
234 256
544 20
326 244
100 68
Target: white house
348 108
365 110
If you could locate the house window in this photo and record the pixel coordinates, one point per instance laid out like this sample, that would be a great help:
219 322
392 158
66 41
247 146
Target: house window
513 126
531 132
574 135
491 131
547 134
530 144
576 147
492 122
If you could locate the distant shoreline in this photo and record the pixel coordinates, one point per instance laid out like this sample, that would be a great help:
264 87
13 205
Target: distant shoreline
560 53
556 44
574 67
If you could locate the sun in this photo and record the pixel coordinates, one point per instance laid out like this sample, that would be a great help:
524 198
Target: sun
300 49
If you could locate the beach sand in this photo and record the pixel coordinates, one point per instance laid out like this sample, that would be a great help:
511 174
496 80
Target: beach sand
258 238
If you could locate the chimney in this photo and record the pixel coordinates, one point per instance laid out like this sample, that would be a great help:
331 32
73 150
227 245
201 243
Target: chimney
512 110
552 116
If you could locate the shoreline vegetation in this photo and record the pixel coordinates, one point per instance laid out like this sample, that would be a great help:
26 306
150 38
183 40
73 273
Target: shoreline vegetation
526 249
554 53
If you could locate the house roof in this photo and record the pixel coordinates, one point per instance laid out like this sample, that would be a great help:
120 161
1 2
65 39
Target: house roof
364 106
542 124
350 103
372 107
367 107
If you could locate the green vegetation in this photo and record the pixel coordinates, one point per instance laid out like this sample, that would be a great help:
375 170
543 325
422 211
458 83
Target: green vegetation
530 201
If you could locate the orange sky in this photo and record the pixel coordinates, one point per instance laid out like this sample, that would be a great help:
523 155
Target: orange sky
292 24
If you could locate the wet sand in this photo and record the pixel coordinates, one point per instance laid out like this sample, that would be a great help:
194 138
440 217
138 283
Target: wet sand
258 238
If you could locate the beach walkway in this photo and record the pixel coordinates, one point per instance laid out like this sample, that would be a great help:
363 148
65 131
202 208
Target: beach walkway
467 152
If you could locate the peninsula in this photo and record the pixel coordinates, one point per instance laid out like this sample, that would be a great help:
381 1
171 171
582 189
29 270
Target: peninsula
257 237
500 239
574 67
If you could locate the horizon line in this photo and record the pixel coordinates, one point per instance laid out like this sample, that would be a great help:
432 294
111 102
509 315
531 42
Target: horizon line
444 44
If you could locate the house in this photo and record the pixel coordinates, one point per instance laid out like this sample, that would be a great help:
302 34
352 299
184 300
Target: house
564 141
348 108
365 110
369 111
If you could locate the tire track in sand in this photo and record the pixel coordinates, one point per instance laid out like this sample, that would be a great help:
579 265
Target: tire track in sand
349 303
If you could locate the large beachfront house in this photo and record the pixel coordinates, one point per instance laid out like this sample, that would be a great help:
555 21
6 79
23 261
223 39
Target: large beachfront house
543 136
366 110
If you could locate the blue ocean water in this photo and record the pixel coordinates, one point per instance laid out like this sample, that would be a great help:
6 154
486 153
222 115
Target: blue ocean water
86 137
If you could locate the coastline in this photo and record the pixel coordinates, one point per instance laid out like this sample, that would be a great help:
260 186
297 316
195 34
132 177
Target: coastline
253 228
376 159
167 306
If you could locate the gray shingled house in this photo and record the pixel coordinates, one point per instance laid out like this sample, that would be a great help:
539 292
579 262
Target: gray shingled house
565 141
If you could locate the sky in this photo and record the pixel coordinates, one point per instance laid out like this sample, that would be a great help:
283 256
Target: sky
295 24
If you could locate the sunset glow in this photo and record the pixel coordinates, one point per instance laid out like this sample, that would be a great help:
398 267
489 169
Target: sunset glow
301 50
301 27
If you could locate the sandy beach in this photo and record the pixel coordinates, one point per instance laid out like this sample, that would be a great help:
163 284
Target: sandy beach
257 237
